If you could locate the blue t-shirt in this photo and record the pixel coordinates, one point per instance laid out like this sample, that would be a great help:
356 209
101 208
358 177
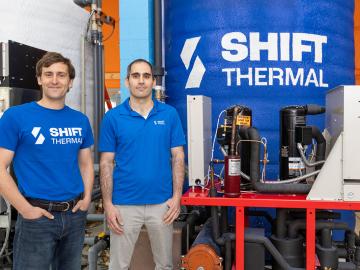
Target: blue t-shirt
142 147
46 145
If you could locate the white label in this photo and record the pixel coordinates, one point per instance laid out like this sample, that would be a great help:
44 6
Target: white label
234 167
295 163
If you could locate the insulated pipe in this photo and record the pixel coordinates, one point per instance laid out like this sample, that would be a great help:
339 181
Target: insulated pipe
252 238
255 171
220 240
300 214
158 69
281 217
94 252
228 263
326 241
190 224
224 239
224 219
342 253
320 145
297 225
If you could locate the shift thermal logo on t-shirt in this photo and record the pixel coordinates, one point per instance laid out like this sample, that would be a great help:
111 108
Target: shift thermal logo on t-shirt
37 135
159 122
68 135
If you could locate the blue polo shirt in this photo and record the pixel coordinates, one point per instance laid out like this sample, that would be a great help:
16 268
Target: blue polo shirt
46 145
142 147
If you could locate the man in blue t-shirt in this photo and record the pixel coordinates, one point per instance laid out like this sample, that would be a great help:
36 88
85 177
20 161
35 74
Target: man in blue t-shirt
141 170
49 145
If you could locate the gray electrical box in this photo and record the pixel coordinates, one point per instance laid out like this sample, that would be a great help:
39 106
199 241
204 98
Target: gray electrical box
199 138
339 178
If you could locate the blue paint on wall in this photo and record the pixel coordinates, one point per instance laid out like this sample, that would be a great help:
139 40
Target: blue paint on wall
136 35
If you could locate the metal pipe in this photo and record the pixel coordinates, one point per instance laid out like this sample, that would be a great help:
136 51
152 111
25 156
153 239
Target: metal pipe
96 37
158 68
83 81
307 163
89 240
233 131
326 241
95 217
94 252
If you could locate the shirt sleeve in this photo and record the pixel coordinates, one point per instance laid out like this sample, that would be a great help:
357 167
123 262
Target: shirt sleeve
107 139
9 131
177 133
88 138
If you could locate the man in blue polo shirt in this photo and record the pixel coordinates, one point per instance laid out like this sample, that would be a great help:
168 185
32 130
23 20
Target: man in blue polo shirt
141 170
49 144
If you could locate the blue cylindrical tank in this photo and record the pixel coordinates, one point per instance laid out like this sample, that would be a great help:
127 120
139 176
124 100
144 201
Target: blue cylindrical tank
259 53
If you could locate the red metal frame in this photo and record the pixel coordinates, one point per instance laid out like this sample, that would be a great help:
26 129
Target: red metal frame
199 196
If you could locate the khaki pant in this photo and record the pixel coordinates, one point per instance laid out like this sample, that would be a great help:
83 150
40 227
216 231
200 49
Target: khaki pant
160 235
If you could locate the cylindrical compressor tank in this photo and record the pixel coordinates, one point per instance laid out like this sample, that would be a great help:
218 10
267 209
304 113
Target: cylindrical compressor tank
291 164
262 54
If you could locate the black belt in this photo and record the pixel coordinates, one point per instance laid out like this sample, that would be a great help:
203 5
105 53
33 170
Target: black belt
54 205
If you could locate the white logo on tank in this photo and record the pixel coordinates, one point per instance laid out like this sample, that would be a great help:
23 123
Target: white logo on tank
198 69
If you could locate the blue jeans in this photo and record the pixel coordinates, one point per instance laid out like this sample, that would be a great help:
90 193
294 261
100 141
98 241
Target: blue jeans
42 242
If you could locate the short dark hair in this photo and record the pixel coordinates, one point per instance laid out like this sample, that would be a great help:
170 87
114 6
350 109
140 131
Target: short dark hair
50 58
139 60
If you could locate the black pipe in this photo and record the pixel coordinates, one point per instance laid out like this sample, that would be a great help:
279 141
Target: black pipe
224 238
281 217
255 171
320 145
190 226
326 241
253 238
300 214
224 219
158 69
220 240
342 253
313 109
297 225
228 261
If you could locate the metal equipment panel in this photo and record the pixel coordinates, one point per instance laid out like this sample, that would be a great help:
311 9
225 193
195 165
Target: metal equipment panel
199 138
17 65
